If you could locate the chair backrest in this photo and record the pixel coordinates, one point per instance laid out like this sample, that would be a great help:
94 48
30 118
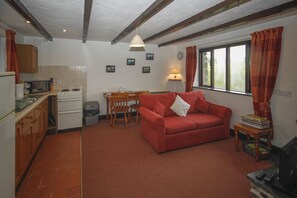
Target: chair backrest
119 101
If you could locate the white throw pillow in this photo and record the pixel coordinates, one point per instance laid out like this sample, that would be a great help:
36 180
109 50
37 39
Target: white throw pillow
180 107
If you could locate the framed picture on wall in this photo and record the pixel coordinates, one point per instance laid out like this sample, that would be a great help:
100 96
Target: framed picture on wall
130 61
149 56
146 69
110 68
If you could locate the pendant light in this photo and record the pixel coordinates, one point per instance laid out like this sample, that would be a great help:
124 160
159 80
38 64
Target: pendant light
137 41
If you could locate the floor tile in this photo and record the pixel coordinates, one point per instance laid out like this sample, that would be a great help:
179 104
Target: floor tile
55 170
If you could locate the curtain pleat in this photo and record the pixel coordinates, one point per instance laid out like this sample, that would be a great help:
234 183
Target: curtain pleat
191 64
265 56
11 56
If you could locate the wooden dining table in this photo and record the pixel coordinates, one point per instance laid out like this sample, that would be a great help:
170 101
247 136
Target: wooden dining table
131 97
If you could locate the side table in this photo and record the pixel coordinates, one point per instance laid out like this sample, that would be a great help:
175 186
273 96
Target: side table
254 133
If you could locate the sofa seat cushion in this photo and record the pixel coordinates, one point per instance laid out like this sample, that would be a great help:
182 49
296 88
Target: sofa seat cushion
176 124
205 120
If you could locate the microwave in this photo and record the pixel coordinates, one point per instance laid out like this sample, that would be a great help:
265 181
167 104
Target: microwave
37 86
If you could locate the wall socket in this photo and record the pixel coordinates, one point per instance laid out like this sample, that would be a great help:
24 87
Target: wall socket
57 82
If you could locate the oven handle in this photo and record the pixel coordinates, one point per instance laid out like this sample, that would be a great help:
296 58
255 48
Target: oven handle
70 99
69 112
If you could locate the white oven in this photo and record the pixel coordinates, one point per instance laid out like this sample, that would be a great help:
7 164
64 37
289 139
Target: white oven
69 109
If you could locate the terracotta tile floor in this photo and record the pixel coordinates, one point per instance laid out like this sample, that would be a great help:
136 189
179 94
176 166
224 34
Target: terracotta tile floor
56 170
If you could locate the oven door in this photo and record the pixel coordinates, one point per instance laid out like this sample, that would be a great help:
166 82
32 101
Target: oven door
69 119
69 104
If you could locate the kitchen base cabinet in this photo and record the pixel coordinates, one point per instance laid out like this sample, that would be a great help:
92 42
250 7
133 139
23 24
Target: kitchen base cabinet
18 151
30 132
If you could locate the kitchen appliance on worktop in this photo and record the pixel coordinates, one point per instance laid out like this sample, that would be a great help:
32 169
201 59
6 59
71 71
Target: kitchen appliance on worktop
70 108
37 86
7 135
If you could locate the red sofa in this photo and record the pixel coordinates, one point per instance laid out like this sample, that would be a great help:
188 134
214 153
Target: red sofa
165 130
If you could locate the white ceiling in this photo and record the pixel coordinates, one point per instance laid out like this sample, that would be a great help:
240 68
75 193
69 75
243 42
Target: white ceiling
110 17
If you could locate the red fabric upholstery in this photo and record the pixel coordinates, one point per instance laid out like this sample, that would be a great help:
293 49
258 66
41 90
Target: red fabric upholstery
205 120
149 101
152 117
177 124
202 105
191 98
173 132
159 109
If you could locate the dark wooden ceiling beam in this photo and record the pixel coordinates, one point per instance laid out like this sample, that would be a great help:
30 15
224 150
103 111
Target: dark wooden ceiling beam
212 11
87 15
153 9
22 10
250 18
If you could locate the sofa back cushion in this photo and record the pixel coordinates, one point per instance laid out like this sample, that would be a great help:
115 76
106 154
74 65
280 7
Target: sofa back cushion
202 105
159 108
191 98
149 101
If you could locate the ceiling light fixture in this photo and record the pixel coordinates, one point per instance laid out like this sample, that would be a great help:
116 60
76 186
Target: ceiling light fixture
137 41
64 30
27 21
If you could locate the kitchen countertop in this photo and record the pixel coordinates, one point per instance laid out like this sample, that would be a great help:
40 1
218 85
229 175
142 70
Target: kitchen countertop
24 112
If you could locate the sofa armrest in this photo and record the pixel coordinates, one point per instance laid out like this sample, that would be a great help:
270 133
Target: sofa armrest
221 111
151 117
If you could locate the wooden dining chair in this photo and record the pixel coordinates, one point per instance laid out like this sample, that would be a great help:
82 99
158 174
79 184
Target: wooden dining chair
136 105
119 104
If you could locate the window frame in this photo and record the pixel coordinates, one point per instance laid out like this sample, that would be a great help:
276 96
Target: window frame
227 77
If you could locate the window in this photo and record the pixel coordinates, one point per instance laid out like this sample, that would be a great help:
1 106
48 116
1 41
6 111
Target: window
225 67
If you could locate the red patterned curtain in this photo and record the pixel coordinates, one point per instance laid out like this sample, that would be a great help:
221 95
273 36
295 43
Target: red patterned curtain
265 55
191 64
11 57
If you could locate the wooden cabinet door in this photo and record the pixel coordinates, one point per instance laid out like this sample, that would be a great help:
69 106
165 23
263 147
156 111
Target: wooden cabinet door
34 59
18 152
27 149
36 132
27 56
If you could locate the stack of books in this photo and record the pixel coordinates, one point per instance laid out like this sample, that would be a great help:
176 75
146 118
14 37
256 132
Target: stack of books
249 147
255 121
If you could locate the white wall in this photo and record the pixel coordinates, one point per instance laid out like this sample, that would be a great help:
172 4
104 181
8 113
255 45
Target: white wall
96 55
19 39
284 108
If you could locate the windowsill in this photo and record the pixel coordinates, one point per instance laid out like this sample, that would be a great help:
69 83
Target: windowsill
224 91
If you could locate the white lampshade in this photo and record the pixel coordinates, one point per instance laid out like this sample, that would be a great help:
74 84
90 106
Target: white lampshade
137 41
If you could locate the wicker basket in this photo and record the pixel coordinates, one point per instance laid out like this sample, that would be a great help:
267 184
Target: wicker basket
264 151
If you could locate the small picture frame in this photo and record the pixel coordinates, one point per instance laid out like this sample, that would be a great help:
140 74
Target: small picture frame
146 69
149 56
130 61
110 68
